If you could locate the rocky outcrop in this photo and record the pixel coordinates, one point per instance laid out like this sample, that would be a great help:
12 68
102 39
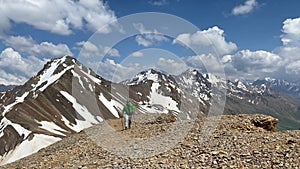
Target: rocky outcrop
268 123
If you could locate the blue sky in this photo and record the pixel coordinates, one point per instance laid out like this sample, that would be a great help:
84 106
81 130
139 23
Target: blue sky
251 39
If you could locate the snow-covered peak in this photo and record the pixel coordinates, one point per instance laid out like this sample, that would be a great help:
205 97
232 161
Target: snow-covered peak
215 80
149 75
269 79
52 72
192 76
241 85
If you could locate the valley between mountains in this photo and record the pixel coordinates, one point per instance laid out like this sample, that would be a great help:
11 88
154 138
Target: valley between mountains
66 97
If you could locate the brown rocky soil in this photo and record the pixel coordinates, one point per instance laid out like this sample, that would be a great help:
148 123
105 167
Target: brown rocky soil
240 141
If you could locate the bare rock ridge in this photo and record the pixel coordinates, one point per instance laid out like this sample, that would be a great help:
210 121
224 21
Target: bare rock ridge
66 97
238 142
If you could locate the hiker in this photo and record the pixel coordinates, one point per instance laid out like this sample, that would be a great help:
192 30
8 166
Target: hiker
128 111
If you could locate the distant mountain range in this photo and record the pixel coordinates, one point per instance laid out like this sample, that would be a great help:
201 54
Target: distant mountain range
66 97
4 88
292 89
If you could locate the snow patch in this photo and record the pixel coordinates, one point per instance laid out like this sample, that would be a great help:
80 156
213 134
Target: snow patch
96 80
99 118
144 77
240 85
18 100
79 79
52 127
109 105
82 111
165 101
27 147
214 79
91 87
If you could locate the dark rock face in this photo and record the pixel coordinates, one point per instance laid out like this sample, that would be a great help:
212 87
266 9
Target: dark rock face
9 140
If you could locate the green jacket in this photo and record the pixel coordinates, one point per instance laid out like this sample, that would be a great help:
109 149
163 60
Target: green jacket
128 109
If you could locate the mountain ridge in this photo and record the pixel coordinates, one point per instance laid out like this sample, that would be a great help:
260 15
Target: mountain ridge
293 89
66 97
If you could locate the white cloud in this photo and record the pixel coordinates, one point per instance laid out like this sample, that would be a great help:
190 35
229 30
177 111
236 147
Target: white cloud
211 38
291 30
247 7
293 68
290 49
137 54
291 26
171 66
148 37
245 64
113 71
257 61
56 16
111 51
251 65
158 2
15 69
90 50
205 63
28 46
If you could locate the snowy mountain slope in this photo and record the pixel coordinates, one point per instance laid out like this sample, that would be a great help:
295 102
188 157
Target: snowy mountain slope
51 105
66 97
191 92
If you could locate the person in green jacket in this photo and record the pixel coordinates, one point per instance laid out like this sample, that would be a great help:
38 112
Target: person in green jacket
128 111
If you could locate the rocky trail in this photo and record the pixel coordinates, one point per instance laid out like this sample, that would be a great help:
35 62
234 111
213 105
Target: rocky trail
239 141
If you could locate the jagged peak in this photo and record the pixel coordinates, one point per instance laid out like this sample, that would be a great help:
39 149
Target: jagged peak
192 75
192 71
149 75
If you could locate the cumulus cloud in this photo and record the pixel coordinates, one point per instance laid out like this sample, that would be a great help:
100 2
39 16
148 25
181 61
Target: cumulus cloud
171 66
252 65
90 50
111 51
137 54
291 32
28 46
212 38
115 72
290 49
56 16
16 69
293 68
148 37
205 63
262 61
247 7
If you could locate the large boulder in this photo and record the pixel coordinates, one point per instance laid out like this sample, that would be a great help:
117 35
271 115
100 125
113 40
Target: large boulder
266 122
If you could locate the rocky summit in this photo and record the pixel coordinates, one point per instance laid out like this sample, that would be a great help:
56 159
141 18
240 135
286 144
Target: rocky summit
239 141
